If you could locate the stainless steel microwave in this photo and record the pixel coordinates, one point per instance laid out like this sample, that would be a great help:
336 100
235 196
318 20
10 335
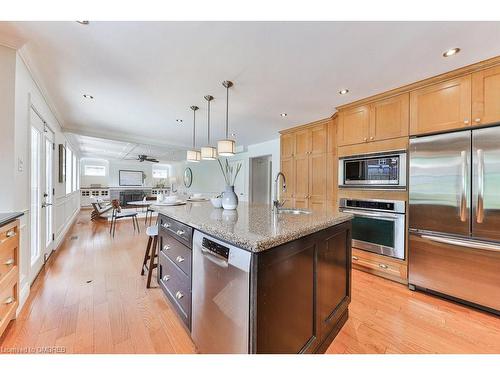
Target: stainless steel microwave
373 171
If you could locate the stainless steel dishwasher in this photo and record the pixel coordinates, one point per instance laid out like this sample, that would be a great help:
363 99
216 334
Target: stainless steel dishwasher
221 296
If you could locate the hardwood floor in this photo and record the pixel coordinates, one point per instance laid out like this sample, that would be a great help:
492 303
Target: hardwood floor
90 298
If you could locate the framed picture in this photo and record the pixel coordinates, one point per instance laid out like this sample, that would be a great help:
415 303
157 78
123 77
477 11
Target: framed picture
62 163
130 178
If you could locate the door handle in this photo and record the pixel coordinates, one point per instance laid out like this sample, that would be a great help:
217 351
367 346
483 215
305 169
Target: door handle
9 262
470 244
480 187
463 195
214 258
46 204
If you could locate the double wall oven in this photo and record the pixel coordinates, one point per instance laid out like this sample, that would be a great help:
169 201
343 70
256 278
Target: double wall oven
373 171
378 225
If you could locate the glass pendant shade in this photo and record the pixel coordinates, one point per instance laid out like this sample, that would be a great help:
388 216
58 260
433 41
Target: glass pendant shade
208 153
193 156
226 147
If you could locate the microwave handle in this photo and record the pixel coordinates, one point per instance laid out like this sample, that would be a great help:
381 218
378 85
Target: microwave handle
382 216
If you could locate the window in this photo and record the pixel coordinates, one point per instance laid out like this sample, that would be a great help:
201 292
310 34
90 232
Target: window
75 172
95 170
160 173
69 169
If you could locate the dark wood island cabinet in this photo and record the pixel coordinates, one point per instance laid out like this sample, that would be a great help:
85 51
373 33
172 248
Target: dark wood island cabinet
298 283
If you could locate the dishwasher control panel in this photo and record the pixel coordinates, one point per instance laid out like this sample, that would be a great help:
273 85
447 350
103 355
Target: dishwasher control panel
216 248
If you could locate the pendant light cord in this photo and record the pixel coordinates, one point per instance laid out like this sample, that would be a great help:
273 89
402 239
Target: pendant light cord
227 111
209 122
194 128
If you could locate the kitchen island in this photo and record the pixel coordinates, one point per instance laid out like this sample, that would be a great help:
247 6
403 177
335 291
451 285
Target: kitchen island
253 281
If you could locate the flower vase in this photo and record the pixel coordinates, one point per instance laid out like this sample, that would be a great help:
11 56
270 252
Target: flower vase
229 199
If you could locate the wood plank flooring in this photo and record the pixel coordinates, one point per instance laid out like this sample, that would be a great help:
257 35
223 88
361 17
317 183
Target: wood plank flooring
90 298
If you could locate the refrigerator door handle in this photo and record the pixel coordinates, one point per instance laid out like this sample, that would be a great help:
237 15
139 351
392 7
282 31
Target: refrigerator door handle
480 187
463 195
463 243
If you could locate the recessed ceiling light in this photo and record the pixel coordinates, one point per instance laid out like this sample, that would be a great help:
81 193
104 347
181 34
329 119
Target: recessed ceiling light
233 135
87 96
178 120
451 52
283 115
83 22
343 91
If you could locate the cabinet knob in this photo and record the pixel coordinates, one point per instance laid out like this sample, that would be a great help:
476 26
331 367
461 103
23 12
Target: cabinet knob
9 300
8 262
466 121
166 225
166 278
372 138
10 233
365 139
477 120
354 257
179 259
384 266
166 247
180 232
179 295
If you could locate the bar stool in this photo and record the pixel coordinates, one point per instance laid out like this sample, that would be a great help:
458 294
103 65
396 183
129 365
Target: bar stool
150 253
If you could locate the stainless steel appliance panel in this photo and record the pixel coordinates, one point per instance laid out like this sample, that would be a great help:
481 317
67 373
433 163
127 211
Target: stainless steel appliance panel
221 296
465 269
439 184
486 184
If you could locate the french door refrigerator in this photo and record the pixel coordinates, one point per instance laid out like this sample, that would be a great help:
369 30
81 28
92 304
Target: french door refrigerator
454 216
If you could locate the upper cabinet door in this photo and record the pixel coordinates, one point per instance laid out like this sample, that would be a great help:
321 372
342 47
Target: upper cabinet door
486 96
353 125
287 145
318 176
439 107
332 135
302 142
319 139
389 118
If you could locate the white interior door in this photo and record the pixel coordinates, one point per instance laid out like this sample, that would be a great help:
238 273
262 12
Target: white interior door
42 193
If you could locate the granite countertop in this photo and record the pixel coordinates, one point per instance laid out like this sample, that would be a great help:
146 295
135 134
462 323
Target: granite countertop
252 227
7 217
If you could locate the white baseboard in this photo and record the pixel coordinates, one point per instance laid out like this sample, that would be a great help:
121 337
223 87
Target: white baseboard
64 231
24 292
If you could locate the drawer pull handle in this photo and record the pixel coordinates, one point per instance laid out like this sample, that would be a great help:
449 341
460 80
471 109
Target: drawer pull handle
179 295
166 247
9 262
354 257
477 120
9 300
180 232
179 259
384 266
166 225
166 278
10 233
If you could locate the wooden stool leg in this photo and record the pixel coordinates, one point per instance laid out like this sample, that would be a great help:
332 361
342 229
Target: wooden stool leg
137 225
152 261
146 255
114 227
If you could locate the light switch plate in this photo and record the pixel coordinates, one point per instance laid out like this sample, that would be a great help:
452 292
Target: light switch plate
20 164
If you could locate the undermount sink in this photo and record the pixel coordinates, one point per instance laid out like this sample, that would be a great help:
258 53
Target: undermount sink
293 211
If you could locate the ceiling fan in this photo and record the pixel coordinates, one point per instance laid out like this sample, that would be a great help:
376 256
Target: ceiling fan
142 158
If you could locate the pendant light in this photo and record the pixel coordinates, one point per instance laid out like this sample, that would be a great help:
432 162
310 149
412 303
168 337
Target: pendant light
227 147
208 152
194 155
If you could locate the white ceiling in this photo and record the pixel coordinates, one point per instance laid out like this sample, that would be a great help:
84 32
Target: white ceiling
145 75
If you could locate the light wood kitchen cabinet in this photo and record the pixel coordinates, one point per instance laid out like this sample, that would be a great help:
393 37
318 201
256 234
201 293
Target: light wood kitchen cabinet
353 126
308 167
486 96
390 118
287 144
380 120
442 106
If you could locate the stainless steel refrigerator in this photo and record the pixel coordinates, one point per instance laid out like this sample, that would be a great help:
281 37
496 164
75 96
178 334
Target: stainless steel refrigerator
454 215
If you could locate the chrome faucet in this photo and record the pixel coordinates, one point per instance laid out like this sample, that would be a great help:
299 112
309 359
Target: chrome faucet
277 202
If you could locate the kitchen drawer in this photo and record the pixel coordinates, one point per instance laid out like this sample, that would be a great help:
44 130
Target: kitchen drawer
8 303
8 258
9 235
178 253
177 287
380 265
182 232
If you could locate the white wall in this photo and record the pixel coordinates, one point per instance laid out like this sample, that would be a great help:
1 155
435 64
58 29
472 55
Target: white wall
208 179
112 171
18 92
